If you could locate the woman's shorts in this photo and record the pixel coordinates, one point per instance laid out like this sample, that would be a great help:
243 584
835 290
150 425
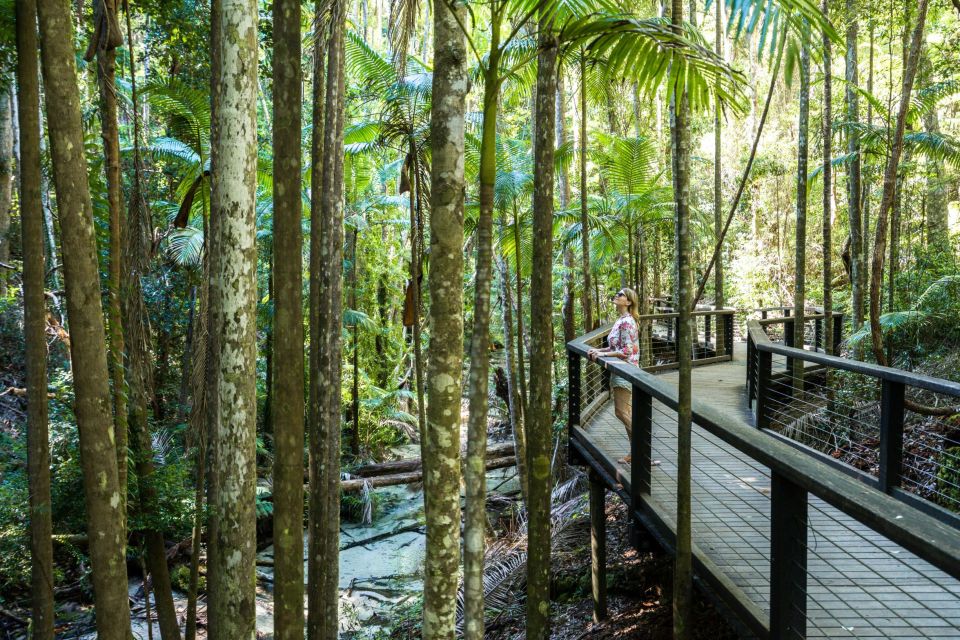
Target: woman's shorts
616 382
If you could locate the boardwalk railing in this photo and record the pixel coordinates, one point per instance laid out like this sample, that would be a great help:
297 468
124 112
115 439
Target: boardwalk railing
852 415
799 485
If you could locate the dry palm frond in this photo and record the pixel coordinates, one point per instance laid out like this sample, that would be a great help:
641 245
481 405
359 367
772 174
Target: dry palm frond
403 22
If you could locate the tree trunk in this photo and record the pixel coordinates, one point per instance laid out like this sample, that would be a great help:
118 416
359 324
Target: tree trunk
475 519
800 273
137 246
330 314
441 440
98 453
34 322
718 298
288 622
233 195
315 550
853 170
584 215
106 37
212 244
517 423
521 366
890 183
936 219
563 178
828 346
416 271
6 180
540 418
683 570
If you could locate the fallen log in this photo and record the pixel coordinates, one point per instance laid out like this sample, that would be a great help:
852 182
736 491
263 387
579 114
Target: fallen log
357 484
418 527
393 467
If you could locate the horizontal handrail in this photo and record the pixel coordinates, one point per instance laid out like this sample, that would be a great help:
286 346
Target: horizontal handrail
763 342
927 537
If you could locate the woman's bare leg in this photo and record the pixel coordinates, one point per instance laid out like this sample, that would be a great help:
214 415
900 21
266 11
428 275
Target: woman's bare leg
623 407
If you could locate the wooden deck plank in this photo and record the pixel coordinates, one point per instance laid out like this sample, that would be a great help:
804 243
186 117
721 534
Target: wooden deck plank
859 584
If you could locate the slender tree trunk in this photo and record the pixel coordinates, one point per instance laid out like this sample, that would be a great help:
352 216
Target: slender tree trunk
315 549
563 180
683 570
475 519
890 183
800 273
98 453
441 440
936 221
416 270
539 418
828 346
34 322
330 313
718 298
853 171
288 324
106 37
514 405
233 195
521 365
212 244
584 215
137 246
6 180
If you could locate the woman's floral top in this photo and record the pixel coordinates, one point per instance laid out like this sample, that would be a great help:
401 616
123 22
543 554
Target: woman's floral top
625 338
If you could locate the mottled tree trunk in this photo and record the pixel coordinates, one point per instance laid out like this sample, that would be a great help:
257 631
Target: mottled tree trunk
800 273
330 313
315 569
288 324
683 568
441 440
233 195
853 170
890 183
563 180
34 321
539 418
936 223
98 453
475 517
584 215
521 334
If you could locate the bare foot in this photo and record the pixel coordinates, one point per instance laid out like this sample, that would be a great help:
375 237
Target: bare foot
624 460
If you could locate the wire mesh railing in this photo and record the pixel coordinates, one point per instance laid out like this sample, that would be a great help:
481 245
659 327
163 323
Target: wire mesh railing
799 547
881 424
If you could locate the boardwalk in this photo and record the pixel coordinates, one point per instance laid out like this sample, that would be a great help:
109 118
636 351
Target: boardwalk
859 584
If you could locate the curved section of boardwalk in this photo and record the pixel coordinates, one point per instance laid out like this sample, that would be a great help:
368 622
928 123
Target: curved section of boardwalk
859 583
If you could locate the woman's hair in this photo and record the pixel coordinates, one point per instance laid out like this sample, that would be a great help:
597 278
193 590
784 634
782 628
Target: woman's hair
634 308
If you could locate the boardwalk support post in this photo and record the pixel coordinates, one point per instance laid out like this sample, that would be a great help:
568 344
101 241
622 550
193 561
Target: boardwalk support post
764 365
891 435
641 452
573 403
788 341
788 559
837 332
598 546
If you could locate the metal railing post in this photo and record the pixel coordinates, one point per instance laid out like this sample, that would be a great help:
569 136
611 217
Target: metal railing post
641 444
837 332
891 435
788 559
573 402
728 333
751 390
765 364
707 321
788 340
817 334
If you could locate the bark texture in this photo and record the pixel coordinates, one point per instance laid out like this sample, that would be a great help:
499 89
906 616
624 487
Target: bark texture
88 349
34 312
854 206
288 324
441 440
233 194
314 524
6 181
718 299
828 345
539 418
330 313
584 215
800 268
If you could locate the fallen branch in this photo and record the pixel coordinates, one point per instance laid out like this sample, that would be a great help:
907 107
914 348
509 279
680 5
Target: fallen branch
357 484
419 528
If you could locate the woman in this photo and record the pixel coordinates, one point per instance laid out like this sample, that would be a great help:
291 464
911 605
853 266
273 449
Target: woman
624 341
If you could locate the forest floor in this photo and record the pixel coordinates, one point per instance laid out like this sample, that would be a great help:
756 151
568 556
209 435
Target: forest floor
639 589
